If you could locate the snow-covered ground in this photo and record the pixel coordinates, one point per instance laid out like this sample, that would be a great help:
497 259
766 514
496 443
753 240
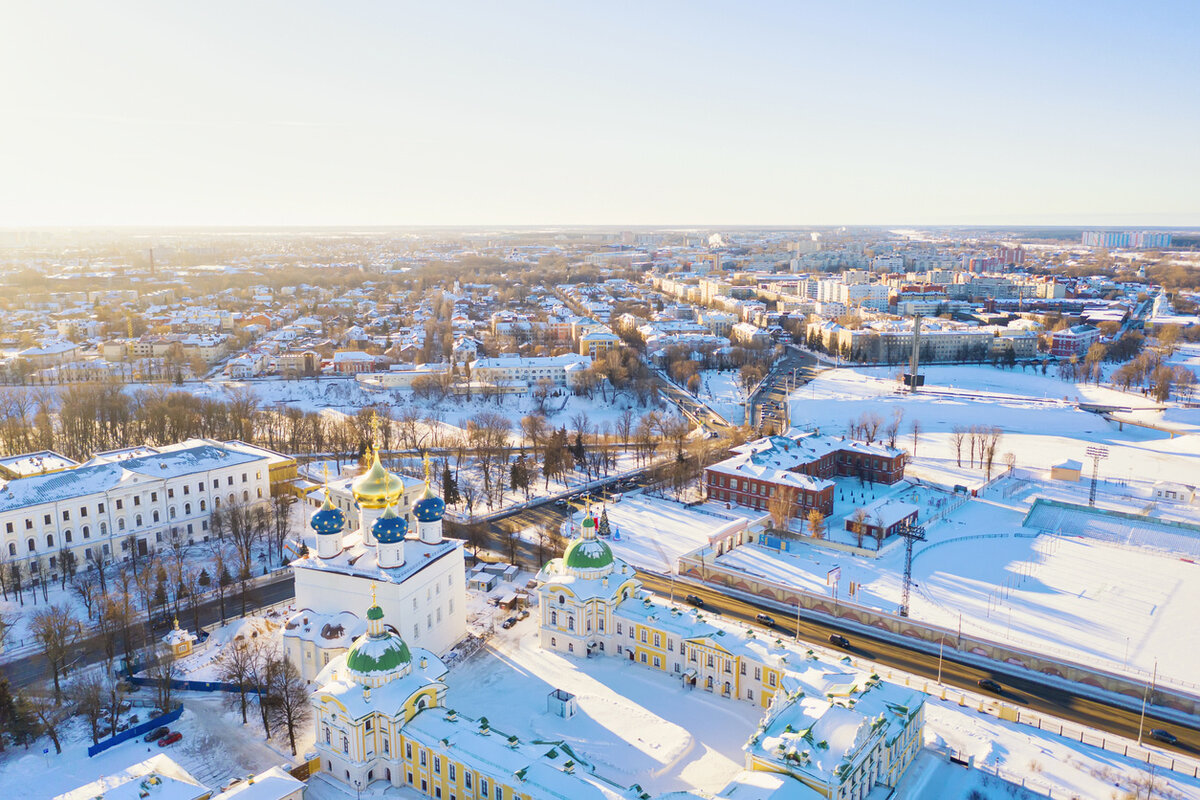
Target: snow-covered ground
636 725
721 390
215 749
1007 755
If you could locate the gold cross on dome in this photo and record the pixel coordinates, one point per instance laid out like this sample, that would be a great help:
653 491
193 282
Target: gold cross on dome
427 467
374 429
373 594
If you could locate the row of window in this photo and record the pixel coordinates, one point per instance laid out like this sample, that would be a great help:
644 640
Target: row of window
68 536
119 503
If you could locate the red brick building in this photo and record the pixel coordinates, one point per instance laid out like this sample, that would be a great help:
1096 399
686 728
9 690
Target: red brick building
756 470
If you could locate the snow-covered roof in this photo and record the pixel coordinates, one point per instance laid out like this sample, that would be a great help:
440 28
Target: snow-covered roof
156 778
274 784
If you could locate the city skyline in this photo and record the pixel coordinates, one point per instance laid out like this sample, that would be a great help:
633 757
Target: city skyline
141 115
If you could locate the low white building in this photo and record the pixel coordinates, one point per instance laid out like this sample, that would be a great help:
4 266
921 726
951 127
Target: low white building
563 371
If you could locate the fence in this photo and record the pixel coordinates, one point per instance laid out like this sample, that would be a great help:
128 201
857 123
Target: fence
136 731
194 686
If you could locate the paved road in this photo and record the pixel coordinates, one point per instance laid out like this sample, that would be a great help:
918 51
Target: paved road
768 404
695 410
1017 690
33 668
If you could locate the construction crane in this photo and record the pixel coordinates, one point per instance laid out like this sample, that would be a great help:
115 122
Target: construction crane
911 533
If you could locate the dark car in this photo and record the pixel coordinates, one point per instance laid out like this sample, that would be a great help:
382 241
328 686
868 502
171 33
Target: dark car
1165 737
169 740
763 619
839 640
990 685
157 733
508 623
694 600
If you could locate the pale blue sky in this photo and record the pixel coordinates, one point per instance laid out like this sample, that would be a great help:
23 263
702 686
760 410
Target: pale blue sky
345 113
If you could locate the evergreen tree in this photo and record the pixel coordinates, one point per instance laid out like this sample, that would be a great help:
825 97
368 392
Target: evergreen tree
603 528
578 451
449 486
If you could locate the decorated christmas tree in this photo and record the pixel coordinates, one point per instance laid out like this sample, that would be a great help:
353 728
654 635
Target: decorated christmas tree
602 527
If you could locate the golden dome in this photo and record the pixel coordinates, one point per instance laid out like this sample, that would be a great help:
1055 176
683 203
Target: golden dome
377 488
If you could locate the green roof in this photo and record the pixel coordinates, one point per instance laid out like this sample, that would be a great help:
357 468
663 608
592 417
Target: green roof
378 654
374 612
587 554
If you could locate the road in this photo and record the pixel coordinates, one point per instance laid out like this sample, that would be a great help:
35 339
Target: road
1018 691
768 404
34 668
691 407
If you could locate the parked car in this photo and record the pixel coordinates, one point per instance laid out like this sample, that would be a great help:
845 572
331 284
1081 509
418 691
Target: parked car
990 685
763 619
1166 737
839 640
157 733
523 613
508 623
694 600
169 740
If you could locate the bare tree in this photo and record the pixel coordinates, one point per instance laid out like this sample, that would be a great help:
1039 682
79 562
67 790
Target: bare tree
57 630
84 586
816 523
782 506
87 695
163 671
49 714
858 522
235 666
957 436
289 698
915 427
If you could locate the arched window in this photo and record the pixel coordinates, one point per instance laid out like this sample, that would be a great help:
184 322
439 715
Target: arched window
32 545
570 623
171 512
245 497
553 642
12 548
216 503
154 516
328 740
260 498
121 524
422 704
187 508
553 617
67 536
346 740
103 528
203 505
87 532
232 498
561 599
137 521
49 540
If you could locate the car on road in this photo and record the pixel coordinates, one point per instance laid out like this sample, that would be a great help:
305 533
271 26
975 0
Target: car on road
170 740
694 600
157 733
764 619
508 623
990 685
839 640
561 503
1165 737
523 613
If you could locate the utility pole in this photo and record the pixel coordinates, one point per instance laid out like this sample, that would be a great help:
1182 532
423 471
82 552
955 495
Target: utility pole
1097 455
1145 697
911 533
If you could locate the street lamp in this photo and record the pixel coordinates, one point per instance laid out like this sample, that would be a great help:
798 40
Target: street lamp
1145 697
358 788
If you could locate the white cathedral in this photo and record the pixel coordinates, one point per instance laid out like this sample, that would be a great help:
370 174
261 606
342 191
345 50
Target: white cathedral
420 580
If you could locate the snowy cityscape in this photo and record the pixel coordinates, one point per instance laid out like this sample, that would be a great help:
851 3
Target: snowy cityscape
665 402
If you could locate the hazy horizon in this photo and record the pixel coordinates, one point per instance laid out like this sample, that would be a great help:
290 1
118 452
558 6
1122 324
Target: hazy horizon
142 115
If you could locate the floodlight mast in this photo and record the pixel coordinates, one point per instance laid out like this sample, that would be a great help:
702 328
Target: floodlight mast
911 533
1097 454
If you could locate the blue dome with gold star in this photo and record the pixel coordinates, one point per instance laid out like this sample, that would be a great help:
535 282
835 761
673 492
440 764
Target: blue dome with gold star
390 528
430 508
328 519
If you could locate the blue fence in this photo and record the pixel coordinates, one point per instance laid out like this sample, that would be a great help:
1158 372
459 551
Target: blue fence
194 686
136 731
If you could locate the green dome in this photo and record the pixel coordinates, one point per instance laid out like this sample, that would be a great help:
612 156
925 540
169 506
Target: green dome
587 554
374 655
